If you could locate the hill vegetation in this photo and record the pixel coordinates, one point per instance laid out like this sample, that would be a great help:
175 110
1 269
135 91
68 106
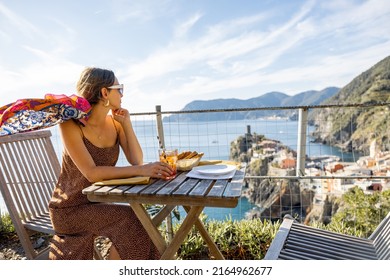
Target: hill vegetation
355 128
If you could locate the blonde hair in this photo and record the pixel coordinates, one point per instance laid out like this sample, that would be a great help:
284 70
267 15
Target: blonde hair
92 80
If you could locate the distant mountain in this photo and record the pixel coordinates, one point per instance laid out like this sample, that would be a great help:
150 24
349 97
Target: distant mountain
311 97
270 99
357 130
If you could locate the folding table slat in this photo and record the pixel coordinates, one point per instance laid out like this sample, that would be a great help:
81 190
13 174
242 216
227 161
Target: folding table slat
172 185
233 190
154 187
218 188
135 189
202 188
90 189
104 190
119 190
185 188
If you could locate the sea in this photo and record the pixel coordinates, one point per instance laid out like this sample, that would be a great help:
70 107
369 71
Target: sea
214 139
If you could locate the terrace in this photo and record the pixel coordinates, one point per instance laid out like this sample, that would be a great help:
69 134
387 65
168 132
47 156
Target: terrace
287 171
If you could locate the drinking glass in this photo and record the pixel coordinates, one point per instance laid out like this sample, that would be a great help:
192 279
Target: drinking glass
169 157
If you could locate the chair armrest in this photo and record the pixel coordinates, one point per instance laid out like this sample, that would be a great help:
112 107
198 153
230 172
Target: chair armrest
279 240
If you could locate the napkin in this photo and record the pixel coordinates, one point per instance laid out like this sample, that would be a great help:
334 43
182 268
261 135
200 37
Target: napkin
125 181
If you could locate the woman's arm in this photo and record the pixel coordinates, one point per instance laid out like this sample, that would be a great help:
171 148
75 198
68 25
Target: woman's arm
128 140
74 145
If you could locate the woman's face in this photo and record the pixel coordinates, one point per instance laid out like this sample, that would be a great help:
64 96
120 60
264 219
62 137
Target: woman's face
115 94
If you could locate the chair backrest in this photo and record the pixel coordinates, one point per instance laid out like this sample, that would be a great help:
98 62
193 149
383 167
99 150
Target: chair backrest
29 169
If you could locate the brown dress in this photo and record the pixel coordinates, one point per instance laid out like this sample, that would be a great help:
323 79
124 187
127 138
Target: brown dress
78 222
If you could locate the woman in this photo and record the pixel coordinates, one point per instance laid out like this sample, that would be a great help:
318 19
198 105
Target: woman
90 154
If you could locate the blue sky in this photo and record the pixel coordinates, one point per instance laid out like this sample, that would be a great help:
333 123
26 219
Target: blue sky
170 52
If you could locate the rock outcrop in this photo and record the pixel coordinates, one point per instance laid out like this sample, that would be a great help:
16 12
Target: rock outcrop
274 197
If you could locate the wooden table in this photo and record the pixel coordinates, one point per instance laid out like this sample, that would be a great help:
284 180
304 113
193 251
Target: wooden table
193 194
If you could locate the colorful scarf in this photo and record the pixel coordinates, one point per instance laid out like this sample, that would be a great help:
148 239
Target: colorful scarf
32 114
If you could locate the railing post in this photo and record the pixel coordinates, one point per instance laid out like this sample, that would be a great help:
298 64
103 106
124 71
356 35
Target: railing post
301 145
160 128
160 135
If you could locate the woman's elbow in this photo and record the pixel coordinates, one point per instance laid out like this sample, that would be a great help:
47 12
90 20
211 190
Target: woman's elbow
93 176
135 160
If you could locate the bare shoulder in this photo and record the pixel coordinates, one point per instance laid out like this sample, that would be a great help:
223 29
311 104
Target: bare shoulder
70 128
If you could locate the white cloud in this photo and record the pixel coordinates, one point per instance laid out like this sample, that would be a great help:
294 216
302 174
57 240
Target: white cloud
143 11
183 28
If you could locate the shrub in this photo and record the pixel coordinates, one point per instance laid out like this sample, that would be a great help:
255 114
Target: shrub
237 240
359 213
6 226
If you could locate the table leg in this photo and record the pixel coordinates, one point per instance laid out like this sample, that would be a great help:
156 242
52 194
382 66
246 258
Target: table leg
206 237
182 232
162 214
149 226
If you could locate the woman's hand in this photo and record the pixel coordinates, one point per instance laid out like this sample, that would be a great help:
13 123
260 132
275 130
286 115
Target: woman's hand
158 170
121 115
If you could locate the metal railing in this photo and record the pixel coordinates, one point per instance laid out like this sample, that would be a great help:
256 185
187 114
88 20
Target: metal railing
335 182
301 135
206 131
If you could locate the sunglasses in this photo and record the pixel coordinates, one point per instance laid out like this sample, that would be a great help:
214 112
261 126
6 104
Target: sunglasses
118 87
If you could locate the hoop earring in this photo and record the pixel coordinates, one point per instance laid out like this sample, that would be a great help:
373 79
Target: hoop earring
107 103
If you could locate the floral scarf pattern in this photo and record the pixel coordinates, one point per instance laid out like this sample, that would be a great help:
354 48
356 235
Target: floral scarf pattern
32 114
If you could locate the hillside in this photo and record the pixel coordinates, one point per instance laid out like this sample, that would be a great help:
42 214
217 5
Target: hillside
271 99
355 128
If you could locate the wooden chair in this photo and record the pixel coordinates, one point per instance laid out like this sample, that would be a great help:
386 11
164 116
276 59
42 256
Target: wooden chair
29 169
295 241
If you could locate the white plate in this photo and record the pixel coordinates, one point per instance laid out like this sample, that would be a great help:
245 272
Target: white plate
218 169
